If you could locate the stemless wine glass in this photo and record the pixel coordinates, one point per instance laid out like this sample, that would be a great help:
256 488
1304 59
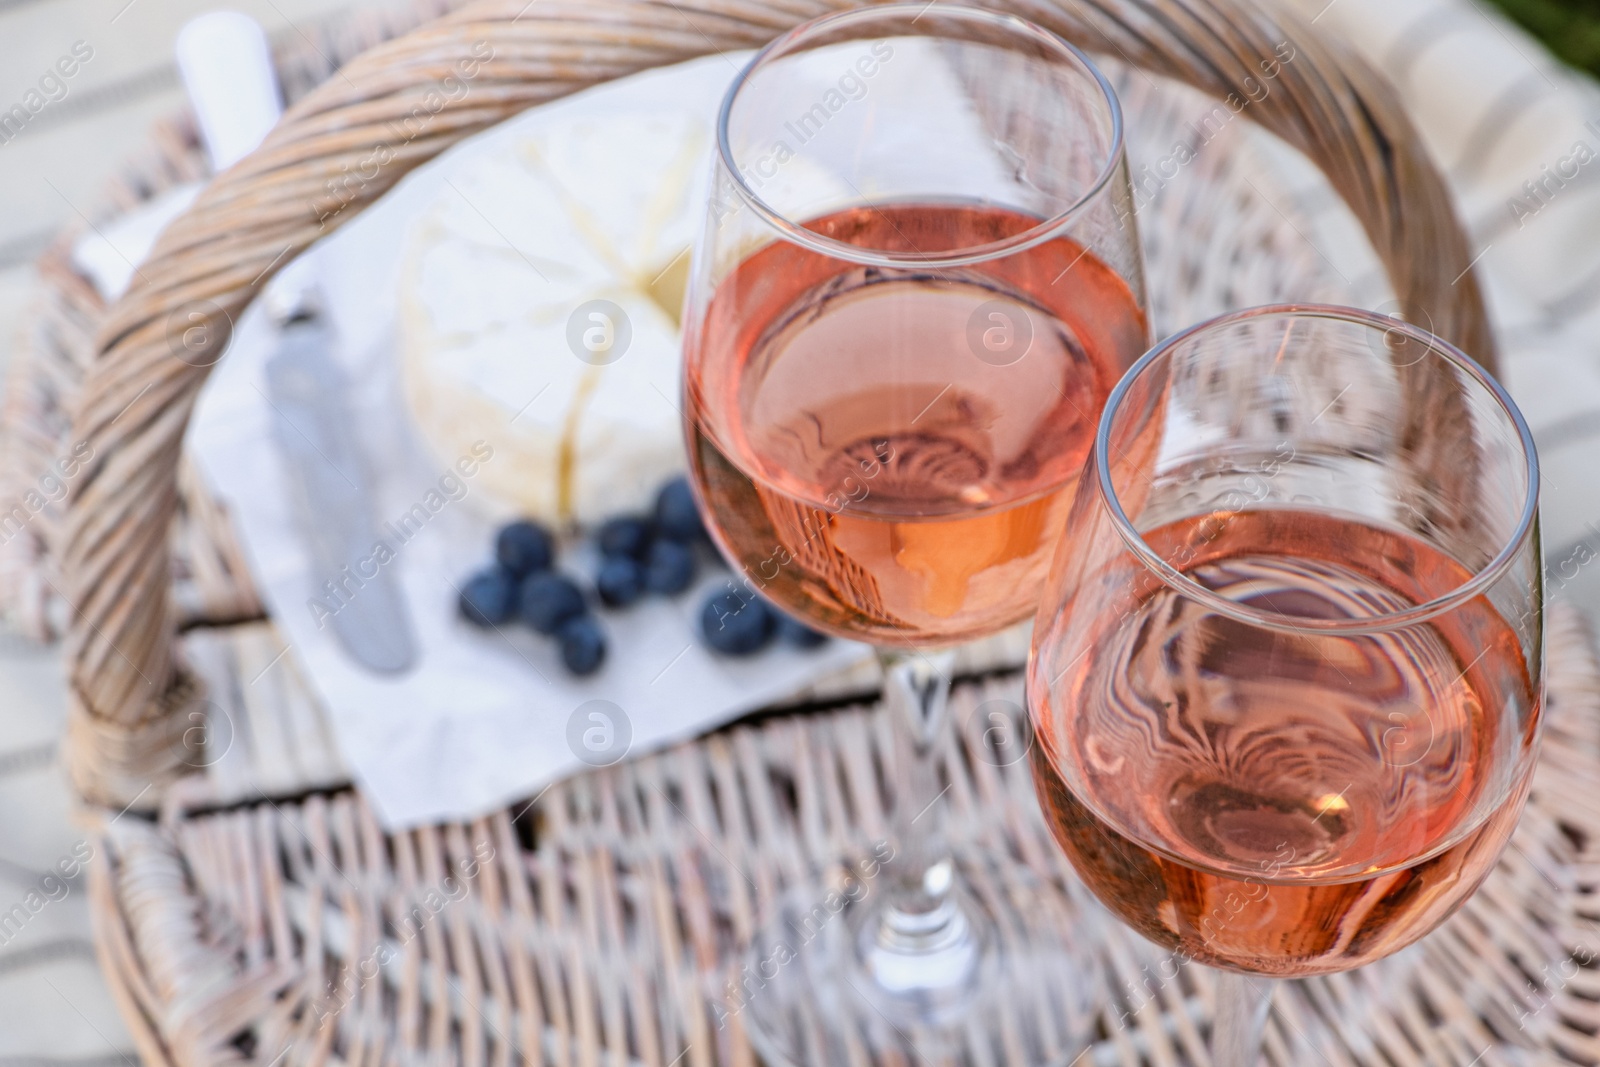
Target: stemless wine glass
917 283
1286 679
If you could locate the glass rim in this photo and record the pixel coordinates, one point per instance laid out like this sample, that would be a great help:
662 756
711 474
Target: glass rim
1044 230
1173 578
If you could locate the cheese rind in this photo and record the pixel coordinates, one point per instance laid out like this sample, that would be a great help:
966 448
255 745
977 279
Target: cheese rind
594 198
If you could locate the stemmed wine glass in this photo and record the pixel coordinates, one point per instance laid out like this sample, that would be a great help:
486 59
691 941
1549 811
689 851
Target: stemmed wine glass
917 283
1286 677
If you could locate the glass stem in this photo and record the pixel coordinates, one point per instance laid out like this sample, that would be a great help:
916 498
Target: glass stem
922 941
1241 1006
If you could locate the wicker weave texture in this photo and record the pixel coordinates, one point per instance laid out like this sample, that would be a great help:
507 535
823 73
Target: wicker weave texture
602 924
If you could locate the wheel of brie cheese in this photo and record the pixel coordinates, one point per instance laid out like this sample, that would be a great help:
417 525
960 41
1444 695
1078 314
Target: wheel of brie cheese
541 290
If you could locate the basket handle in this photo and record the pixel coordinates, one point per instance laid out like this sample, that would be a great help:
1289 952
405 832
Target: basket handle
133 719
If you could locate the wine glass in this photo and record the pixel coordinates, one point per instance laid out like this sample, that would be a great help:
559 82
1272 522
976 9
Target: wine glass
1286 678
917 282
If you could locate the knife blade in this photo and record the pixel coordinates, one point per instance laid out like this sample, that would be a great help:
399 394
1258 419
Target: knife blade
329 486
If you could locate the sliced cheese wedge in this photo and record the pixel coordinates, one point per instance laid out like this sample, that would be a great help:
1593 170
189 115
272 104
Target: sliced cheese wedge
595 198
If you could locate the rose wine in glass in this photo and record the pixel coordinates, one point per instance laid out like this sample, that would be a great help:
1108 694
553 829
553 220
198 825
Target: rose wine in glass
1285 684
917 284
862 465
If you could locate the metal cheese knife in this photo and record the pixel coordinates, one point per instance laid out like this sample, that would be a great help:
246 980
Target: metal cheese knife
226 64
358 593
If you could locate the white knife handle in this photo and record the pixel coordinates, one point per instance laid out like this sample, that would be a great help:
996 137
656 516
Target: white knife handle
226 65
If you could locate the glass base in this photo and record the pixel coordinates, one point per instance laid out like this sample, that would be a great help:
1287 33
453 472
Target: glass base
828 981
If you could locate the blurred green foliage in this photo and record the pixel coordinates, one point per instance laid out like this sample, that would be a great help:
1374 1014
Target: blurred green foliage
1569 28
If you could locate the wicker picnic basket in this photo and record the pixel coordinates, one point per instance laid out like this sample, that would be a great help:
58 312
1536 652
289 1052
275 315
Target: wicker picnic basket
248 907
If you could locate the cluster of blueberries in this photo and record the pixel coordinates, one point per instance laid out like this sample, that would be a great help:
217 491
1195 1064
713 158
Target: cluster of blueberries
639 554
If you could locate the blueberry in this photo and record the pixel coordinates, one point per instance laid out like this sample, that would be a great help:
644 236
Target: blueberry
548 600
626 536
524 548
794 632
677 515
737 624
489 597
620 581
583 644
669 567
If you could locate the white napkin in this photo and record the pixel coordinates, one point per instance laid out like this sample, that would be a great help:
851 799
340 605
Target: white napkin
485 718
108 256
